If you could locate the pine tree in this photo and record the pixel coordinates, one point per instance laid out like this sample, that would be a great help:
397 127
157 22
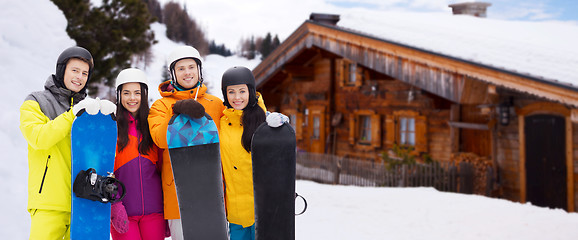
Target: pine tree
182 28
266 46
276 43
252 49
114 32
155 9
219 49
165 73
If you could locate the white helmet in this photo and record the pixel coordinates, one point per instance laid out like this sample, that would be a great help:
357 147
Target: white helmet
181 53
131 75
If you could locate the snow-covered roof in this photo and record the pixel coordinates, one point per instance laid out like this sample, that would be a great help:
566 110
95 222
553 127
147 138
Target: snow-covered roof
542 50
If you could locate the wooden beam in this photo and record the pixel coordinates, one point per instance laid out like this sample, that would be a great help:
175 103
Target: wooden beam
569 165
300 71
455 132
475 126
574 115
522 157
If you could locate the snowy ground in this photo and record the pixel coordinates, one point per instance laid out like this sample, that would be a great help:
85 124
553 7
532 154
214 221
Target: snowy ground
347 212
30 41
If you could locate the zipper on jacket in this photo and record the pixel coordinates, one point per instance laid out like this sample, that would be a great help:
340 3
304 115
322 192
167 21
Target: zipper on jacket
139 140
44 176
141 183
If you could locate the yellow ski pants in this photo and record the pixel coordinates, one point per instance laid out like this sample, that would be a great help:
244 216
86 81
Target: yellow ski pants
49 224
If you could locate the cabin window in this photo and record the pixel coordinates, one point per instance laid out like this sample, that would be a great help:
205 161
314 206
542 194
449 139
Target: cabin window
316 127
407 131
365 129
406 128
296 121
352 78
306 123
293 120
348 73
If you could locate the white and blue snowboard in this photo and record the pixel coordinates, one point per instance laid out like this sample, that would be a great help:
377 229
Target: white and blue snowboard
93 146
196 162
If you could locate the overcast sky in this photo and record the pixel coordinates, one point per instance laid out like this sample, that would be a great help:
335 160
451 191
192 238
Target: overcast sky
227 21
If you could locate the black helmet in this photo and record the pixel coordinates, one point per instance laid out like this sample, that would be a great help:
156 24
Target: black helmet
239 75
72 52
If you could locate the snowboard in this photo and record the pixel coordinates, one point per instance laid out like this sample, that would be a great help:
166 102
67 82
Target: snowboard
274 158
93 140
196 161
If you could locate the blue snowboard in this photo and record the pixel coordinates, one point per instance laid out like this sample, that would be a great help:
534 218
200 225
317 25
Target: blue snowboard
93 146
196 162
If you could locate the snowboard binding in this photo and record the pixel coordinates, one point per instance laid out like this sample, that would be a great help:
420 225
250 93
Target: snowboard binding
104 189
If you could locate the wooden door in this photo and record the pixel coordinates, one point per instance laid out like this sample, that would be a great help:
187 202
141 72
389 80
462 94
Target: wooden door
316 129
546 161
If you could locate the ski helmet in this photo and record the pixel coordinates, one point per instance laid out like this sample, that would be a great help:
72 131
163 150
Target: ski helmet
131 75
239 75
72 52
183 52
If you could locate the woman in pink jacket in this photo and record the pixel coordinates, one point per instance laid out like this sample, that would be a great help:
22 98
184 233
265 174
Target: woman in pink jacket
140 213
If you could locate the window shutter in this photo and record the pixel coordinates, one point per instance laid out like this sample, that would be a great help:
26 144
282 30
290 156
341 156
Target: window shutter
358 76
389 131
339 72
352 128
420 134
375 131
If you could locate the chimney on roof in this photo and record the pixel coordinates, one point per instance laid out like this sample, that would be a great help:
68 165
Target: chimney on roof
477 9
330 19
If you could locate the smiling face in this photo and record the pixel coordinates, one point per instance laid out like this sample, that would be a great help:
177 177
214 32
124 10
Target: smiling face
130 97
187 73
76 74
238 96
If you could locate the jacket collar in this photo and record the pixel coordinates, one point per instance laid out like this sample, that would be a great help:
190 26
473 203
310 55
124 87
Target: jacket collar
166 89
62 94
234 115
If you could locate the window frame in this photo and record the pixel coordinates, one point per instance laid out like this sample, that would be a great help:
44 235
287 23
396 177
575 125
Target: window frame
394 131
373 130
349 74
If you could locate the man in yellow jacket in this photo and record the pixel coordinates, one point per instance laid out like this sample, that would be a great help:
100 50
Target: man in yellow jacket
185 90
45 121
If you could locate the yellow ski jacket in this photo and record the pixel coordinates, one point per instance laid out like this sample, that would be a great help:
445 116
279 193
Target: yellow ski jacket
45 121
237 168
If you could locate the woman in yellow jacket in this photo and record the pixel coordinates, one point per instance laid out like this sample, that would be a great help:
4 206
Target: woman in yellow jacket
245 112
181 91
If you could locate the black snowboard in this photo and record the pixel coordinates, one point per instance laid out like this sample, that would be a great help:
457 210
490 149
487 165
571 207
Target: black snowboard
273 155
196 162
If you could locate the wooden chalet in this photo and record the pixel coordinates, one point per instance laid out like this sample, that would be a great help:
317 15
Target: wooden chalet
353 94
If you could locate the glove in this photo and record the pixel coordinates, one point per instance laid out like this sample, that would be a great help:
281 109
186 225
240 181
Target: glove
276 119
118 217
90 105
189 107
107 107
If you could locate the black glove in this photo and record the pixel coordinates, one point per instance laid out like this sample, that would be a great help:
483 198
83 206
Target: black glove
189 107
